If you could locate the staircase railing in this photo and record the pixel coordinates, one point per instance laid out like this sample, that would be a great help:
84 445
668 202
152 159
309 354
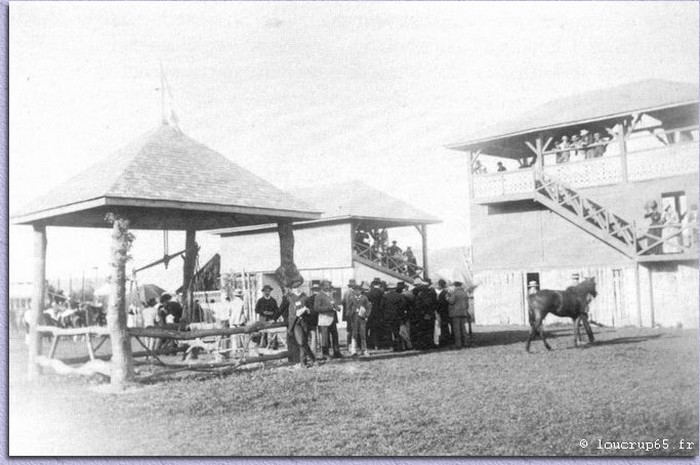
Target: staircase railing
383 259
679 237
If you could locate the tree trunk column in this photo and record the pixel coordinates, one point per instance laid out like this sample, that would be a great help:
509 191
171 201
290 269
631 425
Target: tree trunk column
424 238
122 366
38 295
188 270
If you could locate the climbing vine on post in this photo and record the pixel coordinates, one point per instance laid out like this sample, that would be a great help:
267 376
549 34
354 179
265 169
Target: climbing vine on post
122 369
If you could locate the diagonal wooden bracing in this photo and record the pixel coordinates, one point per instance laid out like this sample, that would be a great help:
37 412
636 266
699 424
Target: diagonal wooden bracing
601 222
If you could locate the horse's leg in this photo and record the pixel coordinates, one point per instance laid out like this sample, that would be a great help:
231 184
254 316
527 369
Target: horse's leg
540 323
587 326
533 329
577 331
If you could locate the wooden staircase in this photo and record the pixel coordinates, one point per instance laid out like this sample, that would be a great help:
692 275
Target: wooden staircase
601 222
400 270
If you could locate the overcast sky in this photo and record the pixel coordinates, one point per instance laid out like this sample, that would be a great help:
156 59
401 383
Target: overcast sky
290 90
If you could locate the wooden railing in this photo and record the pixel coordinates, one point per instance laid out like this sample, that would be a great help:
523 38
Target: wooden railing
642 164
610 227
383 259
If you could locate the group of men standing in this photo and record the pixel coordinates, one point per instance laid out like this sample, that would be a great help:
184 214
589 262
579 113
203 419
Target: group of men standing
377 316
403 318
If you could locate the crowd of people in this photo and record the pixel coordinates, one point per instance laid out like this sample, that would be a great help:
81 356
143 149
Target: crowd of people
374 244
581 147
668 231
377 316
577 147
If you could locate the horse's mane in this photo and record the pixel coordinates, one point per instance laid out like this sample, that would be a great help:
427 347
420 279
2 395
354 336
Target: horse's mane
587 286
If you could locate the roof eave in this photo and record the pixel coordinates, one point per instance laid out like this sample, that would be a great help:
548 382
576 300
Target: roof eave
46 215
463 146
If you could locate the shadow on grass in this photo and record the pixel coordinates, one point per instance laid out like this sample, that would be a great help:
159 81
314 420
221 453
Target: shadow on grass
625 340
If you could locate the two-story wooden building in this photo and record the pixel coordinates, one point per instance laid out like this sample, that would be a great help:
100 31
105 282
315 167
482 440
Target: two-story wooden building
570 198
343 244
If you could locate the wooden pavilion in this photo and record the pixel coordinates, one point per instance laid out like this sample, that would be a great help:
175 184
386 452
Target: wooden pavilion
163 180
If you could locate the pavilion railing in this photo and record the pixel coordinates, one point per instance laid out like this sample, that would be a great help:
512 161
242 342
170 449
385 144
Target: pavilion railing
640 163
396 264
668 238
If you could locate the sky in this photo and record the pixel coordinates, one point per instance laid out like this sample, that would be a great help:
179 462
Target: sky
298 91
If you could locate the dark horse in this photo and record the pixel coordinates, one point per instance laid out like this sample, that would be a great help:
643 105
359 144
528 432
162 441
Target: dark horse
572 303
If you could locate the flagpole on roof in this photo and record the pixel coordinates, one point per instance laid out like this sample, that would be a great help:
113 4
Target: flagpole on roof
162 94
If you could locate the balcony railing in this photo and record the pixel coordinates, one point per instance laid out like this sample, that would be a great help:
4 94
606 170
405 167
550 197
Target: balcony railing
671 160
396 263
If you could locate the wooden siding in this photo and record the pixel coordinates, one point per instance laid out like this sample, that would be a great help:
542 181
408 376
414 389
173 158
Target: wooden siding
675 294
524 233
672 289
323 247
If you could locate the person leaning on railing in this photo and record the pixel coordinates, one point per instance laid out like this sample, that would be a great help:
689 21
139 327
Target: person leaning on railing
690 226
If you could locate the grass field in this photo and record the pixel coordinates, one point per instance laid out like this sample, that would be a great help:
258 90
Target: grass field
491 399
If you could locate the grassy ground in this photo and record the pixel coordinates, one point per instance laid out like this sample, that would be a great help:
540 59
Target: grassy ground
491 399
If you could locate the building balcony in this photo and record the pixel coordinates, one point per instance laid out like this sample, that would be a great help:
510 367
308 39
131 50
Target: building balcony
640 165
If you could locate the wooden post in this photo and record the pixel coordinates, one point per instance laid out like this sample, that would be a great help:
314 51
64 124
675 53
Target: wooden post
38 297
470 174
424 238
188 269
623 153
639 294
539 154
122 366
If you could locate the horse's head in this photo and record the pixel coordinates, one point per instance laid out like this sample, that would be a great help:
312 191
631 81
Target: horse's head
587 287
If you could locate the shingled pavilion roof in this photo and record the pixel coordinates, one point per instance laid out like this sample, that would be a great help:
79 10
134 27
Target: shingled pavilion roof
358 200
353 200
165 180
598 108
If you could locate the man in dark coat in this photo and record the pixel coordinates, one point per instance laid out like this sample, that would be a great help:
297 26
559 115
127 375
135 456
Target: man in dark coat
311 318
346 309
425 304
443 311
267 309
297 327
395 313
374 322
325 307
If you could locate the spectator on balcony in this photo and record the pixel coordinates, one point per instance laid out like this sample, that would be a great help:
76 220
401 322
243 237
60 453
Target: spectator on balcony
600 144
362 237
478 168
576 144
564 155
654 232
411 260
500 167
394 250
690 226
671 230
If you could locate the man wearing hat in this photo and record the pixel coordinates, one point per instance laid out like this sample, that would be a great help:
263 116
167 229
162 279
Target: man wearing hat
359 309
346 309
267 309
395 308
651 211
443 311
297 321
532 287
312 317
394 250
459 313
374 321
423 323
324 306
564 155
